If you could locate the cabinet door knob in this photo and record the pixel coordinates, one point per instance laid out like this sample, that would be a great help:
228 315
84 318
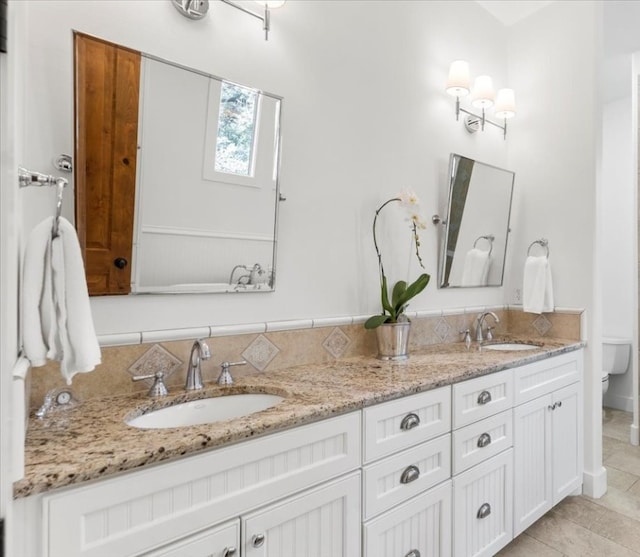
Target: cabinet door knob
552 406
258 540
120 262
410 474
410 421
228 551
413 553
484 511
484 440
559 404
484 397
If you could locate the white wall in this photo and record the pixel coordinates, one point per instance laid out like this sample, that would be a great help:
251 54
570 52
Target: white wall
364 115
618 230
554 147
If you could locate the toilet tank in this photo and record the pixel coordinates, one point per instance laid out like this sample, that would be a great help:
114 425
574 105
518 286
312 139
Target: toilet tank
615 354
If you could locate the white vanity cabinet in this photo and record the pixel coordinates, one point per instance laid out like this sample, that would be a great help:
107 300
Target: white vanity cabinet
406 488
548 436
458 470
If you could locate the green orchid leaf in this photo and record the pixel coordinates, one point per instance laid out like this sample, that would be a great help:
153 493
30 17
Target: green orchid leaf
386 306
398 290
375 321
413 290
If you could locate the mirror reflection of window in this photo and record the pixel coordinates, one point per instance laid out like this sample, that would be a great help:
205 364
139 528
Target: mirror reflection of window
236 130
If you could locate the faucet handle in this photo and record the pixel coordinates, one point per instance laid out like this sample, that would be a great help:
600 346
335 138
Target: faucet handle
158 388
490 332
225 376
467 337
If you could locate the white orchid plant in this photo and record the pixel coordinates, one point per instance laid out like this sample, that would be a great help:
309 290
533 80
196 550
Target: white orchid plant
393 307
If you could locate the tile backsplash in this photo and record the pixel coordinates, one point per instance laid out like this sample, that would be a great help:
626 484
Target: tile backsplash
276 346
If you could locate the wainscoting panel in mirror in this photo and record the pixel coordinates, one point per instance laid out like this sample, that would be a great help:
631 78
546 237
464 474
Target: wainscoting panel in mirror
203 171
477 224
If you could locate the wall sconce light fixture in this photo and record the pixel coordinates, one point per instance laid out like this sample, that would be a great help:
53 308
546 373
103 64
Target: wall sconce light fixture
483 97
197 9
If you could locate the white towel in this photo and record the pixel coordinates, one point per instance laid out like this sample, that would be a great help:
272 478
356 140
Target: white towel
537 289
56 315
476 268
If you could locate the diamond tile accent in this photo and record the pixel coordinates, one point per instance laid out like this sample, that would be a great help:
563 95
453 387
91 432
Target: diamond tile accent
542 325
336 343
442 329
260 352
155 359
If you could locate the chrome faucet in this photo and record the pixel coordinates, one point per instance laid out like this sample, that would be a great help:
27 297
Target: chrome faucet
480 321
199 351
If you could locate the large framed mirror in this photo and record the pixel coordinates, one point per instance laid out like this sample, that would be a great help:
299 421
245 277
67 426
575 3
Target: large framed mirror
476 225
176 175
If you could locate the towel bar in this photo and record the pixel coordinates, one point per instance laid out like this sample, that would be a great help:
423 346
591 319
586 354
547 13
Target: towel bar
541 242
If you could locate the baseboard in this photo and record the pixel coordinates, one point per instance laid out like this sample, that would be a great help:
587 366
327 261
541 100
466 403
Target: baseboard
619 402
595 485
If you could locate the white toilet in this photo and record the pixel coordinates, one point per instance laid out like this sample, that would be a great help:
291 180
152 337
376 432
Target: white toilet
615 358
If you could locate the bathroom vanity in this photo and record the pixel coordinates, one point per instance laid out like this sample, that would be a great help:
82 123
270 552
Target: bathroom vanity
451 453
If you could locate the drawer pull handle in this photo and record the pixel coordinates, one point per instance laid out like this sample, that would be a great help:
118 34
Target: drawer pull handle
258 540
410 474
484 440
410 421
228 551
413 553
484 511
484 397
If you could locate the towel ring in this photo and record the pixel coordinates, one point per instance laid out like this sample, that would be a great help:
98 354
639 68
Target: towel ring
541 242
489 238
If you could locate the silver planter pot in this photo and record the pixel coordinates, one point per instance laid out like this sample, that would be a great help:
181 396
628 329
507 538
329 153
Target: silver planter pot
393 341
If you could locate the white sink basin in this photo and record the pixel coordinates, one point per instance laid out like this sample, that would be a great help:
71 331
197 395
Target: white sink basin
515 346
205 411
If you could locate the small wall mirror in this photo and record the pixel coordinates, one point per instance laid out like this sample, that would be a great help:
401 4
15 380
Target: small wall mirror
477 224
176 176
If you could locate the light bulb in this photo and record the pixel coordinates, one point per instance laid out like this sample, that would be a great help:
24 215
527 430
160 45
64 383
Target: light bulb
483 93
505 104
458 80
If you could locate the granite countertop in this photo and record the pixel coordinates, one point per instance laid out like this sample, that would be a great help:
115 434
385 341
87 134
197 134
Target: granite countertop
92 441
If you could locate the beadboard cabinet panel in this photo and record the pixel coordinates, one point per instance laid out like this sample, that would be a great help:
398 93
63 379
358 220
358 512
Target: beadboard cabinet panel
321 522
483 507
222 541
399 424
403 475
482 397
120 516
421 524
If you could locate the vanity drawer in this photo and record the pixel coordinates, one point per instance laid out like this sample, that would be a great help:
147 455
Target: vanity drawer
399 477
484 396
119 516
477 442
399 424
422 525
483 507
545 376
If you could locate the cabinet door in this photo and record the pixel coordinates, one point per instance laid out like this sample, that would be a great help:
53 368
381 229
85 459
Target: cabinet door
483 507
567 441
532 449
421 526
222 541
321 522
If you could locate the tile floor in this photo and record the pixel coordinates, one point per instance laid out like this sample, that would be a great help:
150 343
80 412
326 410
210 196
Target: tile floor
584 527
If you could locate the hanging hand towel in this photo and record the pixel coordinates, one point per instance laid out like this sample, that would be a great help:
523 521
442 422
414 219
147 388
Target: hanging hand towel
537 289
57 322
476 268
